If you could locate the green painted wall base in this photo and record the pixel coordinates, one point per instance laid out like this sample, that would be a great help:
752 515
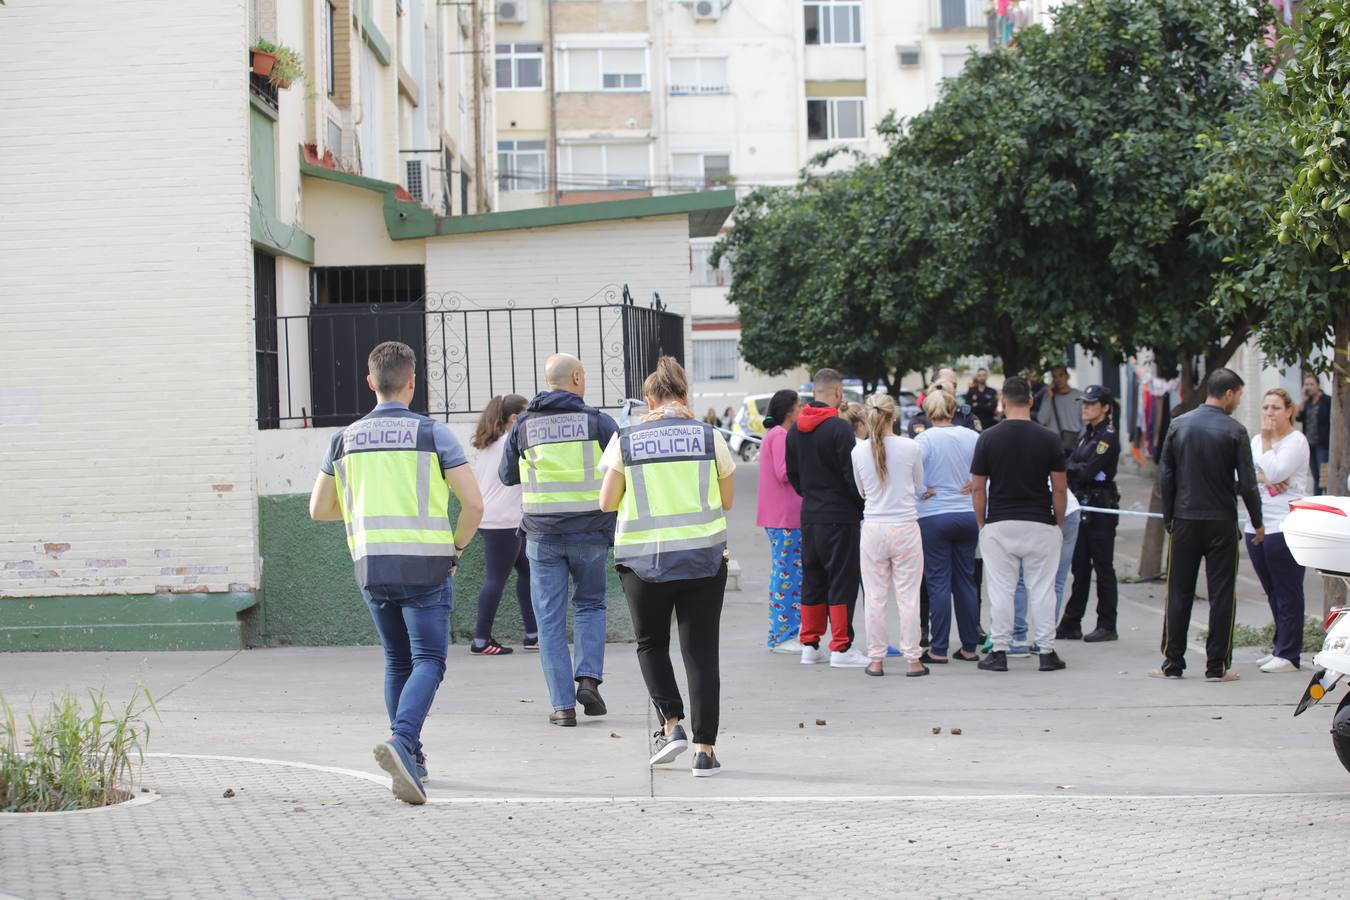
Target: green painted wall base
124 622
310 597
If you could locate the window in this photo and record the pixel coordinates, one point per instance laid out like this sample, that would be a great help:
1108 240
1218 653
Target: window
698 170
953 64
330 13
592 167
520 165
701 271
698 75
520 67
834 22
716 360
604 69
415 181
835 118
961 13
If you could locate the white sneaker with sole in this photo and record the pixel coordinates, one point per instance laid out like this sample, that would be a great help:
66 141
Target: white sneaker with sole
813 655
789 646
852 658
1265 659
1277 664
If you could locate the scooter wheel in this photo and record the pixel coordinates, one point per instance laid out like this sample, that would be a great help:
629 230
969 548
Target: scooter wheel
1340 732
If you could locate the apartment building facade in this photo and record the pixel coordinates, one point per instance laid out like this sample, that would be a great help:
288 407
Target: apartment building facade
607 98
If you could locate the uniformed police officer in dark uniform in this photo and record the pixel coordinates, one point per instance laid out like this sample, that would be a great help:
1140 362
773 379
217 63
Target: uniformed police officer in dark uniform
1092 478
963 416
982 400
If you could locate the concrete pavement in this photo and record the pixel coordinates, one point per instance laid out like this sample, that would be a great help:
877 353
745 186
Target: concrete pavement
1171 767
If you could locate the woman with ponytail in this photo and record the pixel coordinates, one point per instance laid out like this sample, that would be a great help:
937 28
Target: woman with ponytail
1092 479
888 470
779 513
503 545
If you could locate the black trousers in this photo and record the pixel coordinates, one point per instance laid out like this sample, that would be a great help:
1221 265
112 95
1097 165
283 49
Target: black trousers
1216 543
832 570
1094 552
696 604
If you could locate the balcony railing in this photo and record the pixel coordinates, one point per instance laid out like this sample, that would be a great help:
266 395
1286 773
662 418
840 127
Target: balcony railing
264 90
695 90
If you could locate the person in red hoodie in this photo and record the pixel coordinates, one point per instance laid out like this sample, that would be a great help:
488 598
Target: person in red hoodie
820 467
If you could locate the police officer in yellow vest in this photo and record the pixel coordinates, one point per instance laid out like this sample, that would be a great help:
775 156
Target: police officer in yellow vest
553 452
670 479
388 476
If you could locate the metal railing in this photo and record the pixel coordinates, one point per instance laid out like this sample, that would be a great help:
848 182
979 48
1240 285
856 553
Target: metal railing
467 353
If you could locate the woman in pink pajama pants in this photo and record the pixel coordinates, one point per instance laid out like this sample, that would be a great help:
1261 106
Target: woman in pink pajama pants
888 470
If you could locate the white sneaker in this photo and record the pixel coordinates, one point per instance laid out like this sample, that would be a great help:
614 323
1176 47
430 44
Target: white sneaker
852 658
1278 664
788 646
813 655
1265 659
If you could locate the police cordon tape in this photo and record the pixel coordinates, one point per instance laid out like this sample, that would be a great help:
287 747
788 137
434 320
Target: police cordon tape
1121 512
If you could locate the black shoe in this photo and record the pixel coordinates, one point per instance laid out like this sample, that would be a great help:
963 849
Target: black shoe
530 643
668 746
919 674
930 658
1050 662
588 695
1100 634
706 764
1069 633
565 718
491 648
995 661
961 655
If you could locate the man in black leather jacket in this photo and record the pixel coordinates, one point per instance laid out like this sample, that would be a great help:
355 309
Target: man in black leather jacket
1206 465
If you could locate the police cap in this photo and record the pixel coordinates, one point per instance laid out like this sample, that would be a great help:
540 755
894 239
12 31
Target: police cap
1097 394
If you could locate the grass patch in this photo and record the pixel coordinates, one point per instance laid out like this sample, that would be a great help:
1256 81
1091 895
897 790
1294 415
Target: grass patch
72 757
1246 636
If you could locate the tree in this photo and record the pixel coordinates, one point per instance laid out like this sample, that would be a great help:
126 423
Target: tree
1315 98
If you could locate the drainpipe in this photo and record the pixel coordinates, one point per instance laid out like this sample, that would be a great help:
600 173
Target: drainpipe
480 197
552 143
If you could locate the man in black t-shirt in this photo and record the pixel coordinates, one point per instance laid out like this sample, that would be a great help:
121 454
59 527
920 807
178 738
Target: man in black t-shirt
1019 492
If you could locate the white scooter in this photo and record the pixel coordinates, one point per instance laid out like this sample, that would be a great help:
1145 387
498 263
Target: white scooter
1317 533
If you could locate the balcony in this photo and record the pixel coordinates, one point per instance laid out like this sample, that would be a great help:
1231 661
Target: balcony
265 91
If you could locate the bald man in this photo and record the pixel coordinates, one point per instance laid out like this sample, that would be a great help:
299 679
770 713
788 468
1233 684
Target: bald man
553 451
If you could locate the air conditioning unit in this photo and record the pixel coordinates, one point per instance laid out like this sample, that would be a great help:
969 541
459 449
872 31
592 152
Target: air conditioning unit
909 55
511 11
707 10
416 179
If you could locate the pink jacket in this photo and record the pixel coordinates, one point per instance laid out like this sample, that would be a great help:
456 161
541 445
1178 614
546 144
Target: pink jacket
779 505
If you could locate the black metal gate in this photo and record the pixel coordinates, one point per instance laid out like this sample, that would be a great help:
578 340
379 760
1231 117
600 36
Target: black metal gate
466 353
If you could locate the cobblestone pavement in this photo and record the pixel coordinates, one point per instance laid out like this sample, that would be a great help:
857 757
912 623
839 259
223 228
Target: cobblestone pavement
297 832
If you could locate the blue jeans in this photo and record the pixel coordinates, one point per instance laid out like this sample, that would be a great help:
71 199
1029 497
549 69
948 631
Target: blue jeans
1070 530
1317 457
949 541
550 566
414 627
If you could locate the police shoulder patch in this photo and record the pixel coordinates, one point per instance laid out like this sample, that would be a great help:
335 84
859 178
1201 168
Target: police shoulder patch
1102 447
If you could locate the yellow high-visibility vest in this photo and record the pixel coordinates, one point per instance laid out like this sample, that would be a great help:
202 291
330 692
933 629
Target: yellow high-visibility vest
395 500
559 465
671 525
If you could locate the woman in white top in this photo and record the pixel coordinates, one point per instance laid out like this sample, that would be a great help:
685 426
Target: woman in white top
1281 455
503 544
888 471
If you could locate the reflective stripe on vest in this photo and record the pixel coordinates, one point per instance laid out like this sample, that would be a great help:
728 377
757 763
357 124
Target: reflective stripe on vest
671 524
559 466
395 502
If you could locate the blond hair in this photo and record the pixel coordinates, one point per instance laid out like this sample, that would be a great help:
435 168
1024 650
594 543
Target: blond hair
668 382
939 405
853 413
880 422
1288 401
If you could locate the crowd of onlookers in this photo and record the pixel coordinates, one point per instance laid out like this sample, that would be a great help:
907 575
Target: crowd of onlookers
1007 495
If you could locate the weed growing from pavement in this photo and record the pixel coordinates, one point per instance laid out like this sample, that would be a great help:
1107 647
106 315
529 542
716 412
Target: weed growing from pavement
1246 636
71 758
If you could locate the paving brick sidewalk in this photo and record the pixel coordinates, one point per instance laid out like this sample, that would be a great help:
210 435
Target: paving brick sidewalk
300 833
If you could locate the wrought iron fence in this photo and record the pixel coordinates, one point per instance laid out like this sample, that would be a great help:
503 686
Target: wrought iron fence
467 353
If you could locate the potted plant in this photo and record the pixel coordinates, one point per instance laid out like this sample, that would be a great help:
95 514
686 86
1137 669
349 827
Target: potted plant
289 67
263 58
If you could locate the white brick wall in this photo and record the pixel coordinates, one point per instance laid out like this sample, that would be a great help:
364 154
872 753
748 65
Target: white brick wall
569 264
127 385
